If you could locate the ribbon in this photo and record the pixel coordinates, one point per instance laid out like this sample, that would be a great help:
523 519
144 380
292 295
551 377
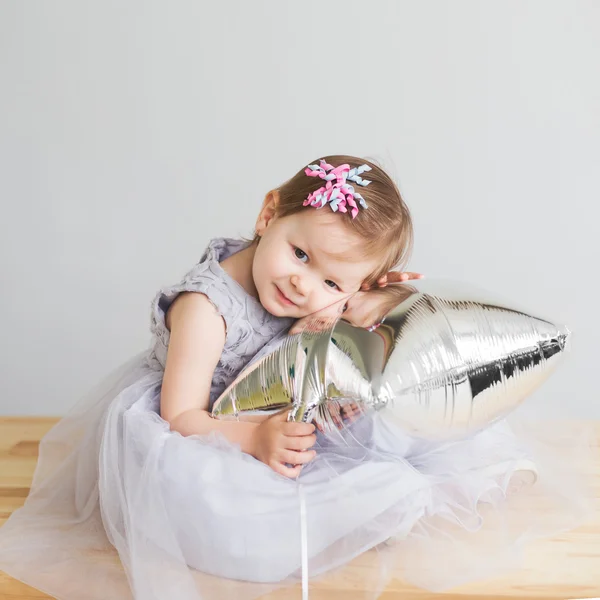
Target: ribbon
340 195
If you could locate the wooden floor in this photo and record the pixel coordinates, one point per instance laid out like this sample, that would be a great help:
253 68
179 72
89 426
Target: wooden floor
567 566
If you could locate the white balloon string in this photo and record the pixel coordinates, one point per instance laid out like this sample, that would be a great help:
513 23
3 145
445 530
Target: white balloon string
303 542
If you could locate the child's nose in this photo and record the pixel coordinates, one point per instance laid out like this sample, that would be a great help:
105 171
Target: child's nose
299 285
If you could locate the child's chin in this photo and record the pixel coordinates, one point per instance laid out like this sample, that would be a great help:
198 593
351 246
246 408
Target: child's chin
278 311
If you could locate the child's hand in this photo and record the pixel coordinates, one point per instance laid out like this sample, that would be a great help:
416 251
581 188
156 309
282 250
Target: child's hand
279 443
341 414
393 277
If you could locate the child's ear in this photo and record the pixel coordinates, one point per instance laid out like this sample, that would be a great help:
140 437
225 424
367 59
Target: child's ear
267 212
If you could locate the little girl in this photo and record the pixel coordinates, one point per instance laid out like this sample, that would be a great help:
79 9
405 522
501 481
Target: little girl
140 493
301 261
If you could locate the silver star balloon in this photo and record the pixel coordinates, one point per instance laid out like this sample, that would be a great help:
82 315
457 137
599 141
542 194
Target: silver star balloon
439 358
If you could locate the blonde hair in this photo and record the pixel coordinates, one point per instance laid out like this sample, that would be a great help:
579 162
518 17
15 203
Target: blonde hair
386 225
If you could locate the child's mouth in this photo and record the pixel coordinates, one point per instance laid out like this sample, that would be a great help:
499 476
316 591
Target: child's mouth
284 299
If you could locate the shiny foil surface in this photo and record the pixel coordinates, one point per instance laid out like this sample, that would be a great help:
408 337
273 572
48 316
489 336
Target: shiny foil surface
439 358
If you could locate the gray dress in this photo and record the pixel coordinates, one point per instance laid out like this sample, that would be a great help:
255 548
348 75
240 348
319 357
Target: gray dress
248 325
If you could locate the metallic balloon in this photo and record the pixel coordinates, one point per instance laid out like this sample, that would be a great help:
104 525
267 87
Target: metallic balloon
439 358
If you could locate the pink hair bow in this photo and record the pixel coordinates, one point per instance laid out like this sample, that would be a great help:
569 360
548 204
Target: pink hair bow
339 194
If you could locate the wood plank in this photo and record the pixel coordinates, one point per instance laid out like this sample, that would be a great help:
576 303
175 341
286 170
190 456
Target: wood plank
566 566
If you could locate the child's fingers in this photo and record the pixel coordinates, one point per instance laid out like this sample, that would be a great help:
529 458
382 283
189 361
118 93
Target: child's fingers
351 412
347 411
413 275
381 282
395 276
291 472
281 416
335 413
292 429
296 458
303 442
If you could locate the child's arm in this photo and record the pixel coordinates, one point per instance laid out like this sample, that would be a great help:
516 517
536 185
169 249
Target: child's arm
196 343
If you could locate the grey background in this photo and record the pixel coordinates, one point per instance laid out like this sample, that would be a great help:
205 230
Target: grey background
132 132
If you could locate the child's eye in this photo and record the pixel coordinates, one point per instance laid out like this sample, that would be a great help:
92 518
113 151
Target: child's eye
332 284
300 254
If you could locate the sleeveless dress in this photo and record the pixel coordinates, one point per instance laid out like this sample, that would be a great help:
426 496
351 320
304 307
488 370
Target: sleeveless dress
121 507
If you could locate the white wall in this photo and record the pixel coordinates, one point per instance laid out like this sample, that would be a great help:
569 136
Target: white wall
132 132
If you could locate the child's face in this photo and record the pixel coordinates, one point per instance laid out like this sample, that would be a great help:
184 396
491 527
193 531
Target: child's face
293 270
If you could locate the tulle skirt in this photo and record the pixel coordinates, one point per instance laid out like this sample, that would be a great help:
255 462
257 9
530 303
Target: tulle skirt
121 507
